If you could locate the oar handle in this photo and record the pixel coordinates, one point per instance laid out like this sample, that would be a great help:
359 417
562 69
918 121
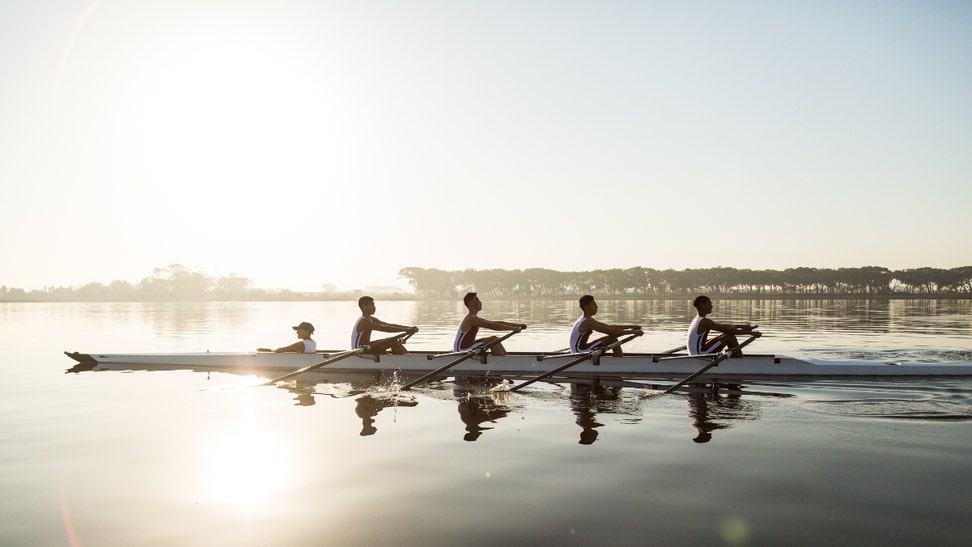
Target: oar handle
407 334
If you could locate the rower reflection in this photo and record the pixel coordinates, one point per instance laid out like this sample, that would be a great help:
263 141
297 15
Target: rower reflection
369 405
303 393
479 405
586 401
712 406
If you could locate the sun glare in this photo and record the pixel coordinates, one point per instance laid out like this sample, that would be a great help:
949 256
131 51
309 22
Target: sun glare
232 119
245 468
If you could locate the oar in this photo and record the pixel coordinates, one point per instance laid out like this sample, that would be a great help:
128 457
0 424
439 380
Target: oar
333 359
673 350
658 358
558 354
432 356
714 362
588 355
474 351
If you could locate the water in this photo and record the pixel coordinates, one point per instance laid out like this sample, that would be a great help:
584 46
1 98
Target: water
173 458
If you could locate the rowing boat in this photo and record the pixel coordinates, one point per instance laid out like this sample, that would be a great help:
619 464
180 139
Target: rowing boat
516 364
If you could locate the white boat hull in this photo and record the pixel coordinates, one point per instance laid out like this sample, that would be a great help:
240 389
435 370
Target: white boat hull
518 364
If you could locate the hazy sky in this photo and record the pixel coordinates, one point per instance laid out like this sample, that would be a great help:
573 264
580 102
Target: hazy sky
300 143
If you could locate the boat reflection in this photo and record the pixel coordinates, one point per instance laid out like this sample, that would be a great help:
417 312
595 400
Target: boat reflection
712 405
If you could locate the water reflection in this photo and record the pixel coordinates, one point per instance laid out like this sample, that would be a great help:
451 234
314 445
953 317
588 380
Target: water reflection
712 406
716 406
369 405
587 399
303 391
375 392
596 403
703 402
479 405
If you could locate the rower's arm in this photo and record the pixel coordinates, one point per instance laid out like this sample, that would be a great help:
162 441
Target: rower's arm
378 324
729 329
496 325
295 347
612 330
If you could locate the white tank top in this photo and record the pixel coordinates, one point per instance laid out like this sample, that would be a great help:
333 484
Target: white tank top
355 335
310 346
694 339
576 338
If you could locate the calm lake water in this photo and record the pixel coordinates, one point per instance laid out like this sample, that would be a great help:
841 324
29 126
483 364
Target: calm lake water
187 458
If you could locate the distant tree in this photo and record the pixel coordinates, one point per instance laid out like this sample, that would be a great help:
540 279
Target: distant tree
176 282
429 282
919 280
121 290
93 291
963 279
232 286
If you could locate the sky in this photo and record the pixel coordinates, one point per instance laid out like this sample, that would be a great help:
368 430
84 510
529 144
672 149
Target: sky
300 143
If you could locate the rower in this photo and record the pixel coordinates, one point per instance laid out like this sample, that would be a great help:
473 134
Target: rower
697 339
304 345
471 323
361 332
587 325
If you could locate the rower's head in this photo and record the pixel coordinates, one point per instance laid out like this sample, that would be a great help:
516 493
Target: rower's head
304 328
702 301
588 304
366 303
472 301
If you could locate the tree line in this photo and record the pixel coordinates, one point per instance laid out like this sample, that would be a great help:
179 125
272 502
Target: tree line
648 282
176 282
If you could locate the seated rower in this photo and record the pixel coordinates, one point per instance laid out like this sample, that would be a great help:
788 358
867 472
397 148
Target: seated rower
697 339
471 323
304 345
361 332
586 325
